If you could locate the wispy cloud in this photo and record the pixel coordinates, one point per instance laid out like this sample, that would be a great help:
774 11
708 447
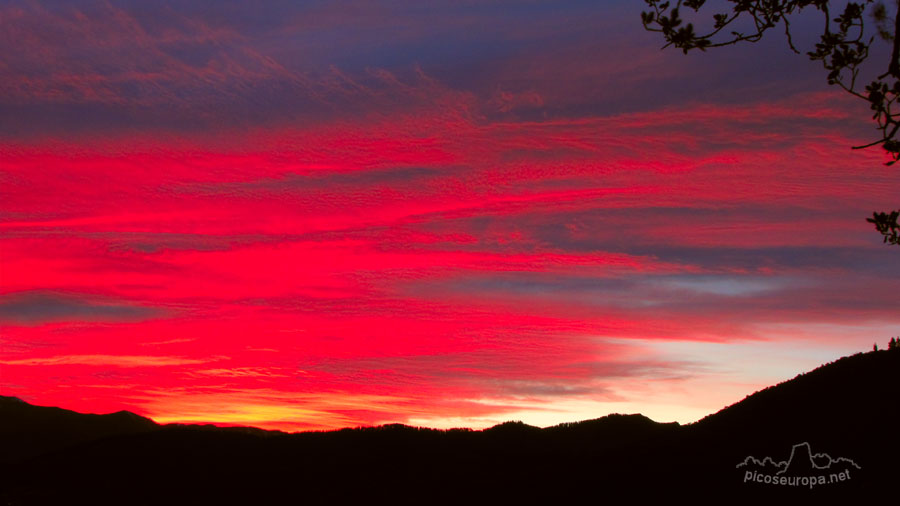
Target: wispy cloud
107 360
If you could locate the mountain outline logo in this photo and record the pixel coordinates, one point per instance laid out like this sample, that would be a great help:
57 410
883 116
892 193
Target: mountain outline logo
802 468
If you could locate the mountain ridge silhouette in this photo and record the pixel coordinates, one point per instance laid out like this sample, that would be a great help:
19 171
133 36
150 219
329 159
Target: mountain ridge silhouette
846 408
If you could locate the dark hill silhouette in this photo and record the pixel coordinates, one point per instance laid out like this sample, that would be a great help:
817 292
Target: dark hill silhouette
27 430
847 409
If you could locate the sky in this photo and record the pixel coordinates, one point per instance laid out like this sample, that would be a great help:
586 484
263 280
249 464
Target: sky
305 215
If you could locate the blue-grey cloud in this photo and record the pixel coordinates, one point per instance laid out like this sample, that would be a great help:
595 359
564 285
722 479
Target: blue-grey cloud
88 65
37 307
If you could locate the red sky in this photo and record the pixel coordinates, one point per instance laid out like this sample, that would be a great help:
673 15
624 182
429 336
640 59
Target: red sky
316 215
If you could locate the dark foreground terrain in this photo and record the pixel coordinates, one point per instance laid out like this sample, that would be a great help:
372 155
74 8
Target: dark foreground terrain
848 409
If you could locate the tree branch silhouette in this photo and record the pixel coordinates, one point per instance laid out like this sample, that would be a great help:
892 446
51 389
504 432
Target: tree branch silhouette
843 48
